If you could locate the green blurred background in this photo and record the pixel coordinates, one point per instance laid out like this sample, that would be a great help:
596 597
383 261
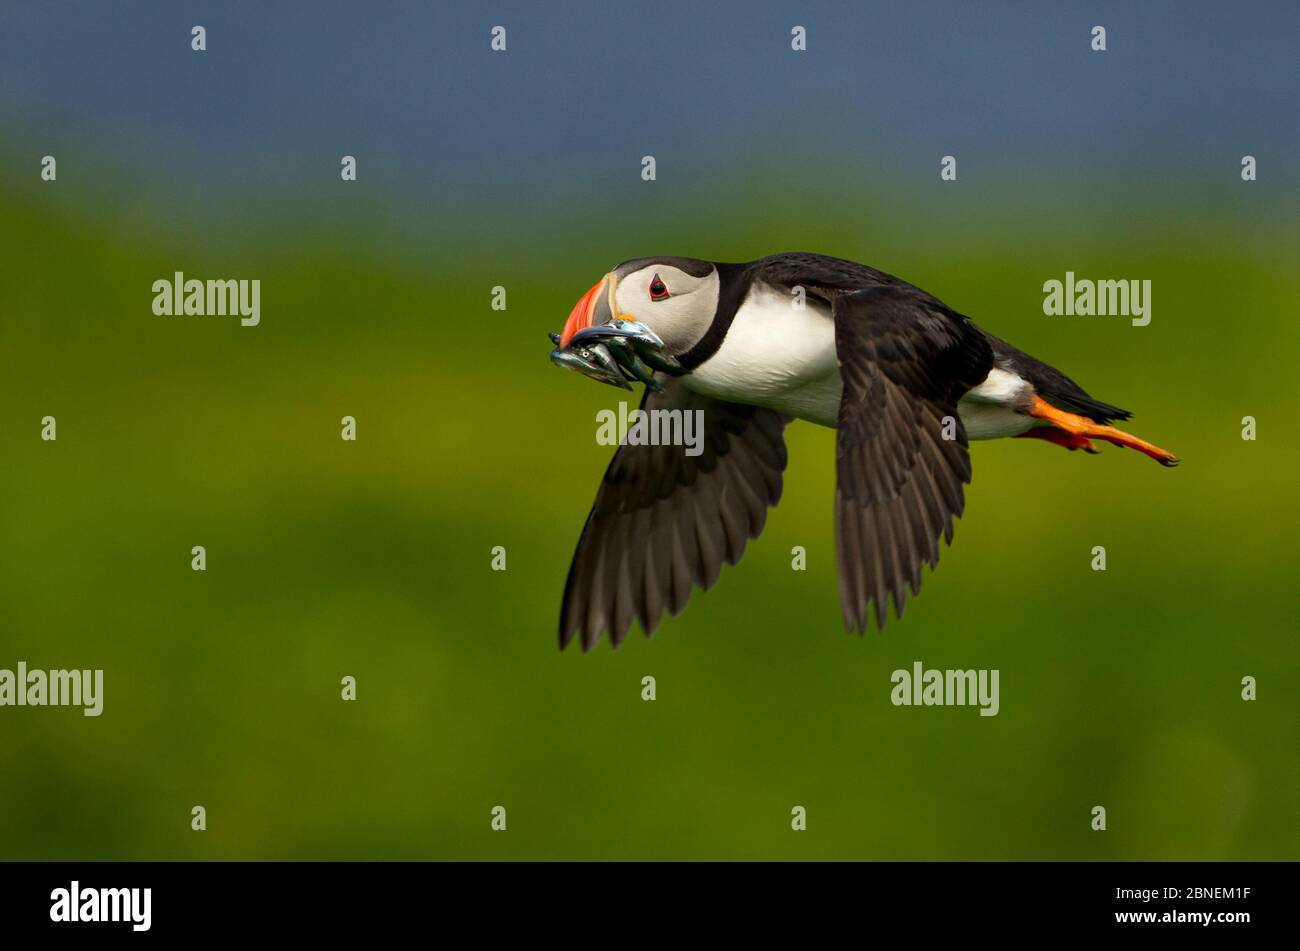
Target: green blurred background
372 559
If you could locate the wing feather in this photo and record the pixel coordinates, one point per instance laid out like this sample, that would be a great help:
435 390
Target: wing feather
905 360
664 523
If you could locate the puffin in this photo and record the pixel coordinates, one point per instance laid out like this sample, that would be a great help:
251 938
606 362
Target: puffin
905 381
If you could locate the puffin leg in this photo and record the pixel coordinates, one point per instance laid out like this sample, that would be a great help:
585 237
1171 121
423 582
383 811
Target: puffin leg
1082 426
1060 437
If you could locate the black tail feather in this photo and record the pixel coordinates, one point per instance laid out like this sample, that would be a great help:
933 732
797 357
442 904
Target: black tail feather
1053 385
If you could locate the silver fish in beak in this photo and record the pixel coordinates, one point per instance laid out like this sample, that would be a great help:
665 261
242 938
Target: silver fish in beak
592 361
615 353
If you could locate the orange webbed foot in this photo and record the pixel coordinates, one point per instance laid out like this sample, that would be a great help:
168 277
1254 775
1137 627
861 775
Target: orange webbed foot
1060 437
1082 427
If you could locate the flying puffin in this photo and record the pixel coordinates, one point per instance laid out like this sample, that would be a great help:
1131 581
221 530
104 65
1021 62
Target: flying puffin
904 379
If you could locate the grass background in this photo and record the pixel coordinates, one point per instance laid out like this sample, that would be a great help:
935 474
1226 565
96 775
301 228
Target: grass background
328 558
372 559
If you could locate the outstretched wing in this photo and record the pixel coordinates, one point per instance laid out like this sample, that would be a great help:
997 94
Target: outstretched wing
664 522
901 452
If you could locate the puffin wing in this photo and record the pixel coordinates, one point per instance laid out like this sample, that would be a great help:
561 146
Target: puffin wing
905 360
664 521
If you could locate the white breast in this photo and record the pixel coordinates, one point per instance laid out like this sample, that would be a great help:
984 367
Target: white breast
990 410
1001 387
782 357
776 355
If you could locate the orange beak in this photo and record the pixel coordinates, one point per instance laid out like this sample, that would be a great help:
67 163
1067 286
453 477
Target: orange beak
580 317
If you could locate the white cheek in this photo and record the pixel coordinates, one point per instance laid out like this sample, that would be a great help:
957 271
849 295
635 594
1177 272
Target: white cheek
630 302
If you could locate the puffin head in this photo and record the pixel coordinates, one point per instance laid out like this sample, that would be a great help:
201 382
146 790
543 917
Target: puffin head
674 297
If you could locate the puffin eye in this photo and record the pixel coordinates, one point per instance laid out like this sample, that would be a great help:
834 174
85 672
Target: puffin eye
658 289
